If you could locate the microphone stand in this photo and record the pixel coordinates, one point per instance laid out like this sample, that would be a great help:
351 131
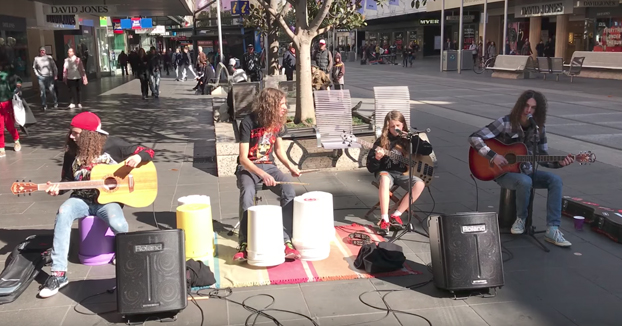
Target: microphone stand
530 230
409 227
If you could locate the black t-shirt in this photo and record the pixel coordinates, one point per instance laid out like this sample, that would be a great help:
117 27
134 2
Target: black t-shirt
261 140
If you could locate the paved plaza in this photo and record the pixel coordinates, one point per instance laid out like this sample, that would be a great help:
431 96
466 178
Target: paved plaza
576 286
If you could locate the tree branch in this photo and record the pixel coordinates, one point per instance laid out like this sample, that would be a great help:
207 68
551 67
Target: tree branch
278 17
317 21
324 29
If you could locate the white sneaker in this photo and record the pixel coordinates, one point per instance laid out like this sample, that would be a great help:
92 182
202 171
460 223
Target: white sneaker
518 227
2 153
556 237
17 147
72 106
79 106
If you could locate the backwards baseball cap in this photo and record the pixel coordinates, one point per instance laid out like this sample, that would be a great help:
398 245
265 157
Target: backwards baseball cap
88 121
322 41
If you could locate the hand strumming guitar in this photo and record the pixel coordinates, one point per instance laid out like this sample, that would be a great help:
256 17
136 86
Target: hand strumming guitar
499 160
379 153
133 160
568 160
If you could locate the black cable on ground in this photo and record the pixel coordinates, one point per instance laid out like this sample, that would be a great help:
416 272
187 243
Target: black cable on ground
388 308
75 307
255 312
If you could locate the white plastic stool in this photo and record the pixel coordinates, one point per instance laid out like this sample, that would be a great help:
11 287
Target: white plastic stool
265 245
314 225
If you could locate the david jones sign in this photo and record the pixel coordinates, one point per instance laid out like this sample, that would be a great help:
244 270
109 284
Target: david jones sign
547 9
75 10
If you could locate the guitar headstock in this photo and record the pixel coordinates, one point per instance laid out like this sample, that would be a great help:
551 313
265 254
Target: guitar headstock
585 157
19 188
348 138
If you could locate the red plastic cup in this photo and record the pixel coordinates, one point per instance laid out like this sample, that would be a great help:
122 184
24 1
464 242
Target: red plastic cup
578 223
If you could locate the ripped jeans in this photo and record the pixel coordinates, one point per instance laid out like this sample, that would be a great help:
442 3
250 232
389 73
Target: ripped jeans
76 208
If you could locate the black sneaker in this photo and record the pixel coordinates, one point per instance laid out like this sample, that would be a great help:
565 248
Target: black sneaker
52 285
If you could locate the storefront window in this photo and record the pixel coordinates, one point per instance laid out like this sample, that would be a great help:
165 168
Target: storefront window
14 44
608 35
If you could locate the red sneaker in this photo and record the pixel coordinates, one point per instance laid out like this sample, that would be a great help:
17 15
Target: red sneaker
396 220
384 227
241 255
291 252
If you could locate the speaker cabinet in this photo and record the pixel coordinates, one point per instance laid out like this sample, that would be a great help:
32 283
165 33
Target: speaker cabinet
151 272
466 251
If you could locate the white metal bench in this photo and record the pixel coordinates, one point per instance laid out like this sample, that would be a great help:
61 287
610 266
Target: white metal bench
333 116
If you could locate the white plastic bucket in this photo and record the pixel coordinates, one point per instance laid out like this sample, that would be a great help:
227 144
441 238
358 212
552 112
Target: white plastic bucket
313 225
265 246
193 199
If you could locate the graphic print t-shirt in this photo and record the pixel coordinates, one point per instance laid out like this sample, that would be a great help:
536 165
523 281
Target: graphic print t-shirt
260 140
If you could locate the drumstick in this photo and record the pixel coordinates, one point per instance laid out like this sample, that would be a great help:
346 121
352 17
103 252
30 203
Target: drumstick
292 183
309 171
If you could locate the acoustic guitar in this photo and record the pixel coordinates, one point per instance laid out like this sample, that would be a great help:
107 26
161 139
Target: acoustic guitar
117 183
515 154
422 165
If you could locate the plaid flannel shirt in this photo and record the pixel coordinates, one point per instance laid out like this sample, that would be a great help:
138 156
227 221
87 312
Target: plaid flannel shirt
501 129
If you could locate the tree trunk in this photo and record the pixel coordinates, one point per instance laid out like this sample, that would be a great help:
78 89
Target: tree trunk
304 91
273 40
273 65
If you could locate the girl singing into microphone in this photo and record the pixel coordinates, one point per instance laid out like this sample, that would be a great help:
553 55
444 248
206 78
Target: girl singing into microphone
389 171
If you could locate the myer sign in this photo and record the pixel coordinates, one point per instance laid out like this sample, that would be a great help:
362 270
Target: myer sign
103 10
543 9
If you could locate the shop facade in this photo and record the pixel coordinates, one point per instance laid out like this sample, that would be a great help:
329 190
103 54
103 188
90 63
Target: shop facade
604 29
14 44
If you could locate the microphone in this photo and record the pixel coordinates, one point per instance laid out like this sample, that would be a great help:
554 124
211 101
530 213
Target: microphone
412 131
532 121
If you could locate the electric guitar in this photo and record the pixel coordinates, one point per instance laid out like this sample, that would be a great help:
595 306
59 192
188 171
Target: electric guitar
117 183
422 165
483 169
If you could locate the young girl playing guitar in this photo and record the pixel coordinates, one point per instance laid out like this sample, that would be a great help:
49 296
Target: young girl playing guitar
389 171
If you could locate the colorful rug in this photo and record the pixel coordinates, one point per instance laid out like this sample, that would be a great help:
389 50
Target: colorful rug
338 266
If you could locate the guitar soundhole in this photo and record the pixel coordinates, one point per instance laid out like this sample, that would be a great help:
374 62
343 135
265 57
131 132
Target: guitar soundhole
110 183
511 158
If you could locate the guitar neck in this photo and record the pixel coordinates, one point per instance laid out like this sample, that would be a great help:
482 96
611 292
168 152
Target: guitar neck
392 155
74 185
540 158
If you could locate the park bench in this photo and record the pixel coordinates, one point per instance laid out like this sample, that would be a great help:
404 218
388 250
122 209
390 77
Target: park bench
513 66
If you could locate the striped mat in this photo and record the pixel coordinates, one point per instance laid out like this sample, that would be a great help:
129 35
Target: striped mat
338 266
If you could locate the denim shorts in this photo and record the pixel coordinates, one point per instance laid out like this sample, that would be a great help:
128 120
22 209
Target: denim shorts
398 179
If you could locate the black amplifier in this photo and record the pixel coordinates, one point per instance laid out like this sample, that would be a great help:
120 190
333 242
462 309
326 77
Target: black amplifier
602 219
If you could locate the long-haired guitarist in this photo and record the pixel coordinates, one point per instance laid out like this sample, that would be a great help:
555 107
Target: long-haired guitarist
389 171
260 139
87 145
514 128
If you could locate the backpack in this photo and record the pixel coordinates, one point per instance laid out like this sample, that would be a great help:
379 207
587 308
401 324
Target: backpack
380 258
23 265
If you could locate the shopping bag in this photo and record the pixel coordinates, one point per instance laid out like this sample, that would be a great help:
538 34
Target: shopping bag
19 112
30 117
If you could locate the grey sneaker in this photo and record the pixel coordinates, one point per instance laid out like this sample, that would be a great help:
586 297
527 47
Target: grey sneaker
556 237
518 227
52 285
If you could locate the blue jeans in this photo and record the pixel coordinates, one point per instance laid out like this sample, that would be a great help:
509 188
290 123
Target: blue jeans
47 83
543 180
154 83
246 182
76 208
